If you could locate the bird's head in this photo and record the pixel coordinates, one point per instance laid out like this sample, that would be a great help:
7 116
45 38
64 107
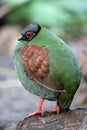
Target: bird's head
29 32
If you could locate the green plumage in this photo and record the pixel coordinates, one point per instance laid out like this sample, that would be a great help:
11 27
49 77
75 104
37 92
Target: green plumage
64 67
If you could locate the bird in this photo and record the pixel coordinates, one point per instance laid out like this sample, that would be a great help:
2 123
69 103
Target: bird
47 67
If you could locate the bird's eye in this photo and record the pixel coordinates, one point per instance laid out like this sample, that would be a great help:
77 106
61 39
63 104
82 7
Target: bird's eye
29 34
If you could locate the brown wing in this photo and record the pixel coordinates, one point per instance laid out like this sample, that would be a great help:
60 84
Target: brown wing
36 64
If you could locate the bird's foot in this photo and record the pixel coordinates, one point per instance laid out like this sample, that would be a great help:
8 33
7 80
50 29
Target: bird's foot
34 114
56 110
38 111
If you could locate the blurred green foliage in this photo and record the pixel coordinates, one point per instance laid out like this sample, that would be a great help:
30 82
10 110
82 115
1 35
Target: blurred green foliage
64 17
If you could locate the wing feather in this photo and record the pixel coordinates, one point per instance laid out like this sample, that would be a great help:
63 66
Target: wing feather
36 63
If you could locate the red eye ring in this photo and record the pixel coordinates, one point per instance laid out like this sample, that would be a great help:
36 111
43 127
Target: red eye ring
29 34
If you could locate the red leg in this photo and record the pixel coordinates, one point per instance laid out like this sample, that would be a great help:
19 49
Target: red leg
39 109
56 110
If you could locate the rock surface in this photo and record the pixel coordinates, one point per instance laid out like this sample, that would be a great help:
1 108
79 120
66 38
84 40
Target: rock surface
71 120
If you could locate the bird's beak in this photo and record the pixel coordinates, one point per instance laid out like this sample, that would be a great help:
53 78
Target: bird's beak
21 38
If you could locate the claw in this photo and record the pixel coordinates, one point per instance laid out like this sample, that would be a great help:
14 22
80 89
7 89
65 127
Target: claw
56 110
34 114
